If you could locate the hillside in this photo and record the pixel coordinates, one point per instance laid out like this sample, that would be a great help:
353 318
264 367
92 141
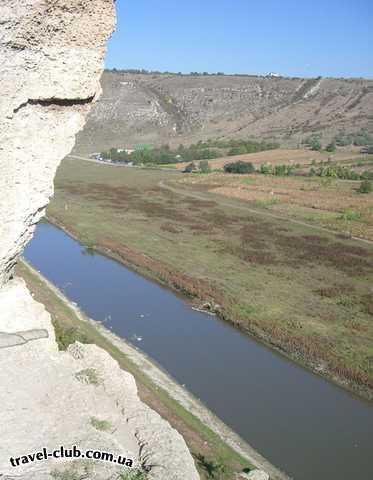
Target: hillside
155 109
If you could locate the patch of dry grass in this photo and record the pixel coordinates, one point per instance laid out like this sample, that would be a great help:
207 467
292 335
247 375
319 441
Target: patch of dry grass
302 290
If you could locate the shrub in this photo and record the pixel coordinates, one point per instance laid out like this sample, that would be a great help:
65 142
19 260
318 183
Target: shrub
336 171
284 170
342 139
204 166
214 469
241 150
349 214
89 376
331 147
315 145
367 175
102 425
133 475
68 336
266 169
239 167
365 187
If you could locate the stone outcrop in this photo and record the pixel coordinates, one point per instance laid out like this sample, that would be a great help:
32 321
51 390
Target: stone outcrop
256 475
79 397
51 55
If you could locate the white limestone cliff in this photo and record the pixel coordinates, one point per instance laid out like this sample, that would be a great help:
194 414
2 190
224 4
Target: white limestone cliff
51 59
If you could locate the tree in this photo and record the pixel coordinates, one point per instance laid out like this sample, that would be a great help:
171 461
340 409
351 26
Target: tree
239 167
331 147
239 150
204 166
366 186
266 168
315 145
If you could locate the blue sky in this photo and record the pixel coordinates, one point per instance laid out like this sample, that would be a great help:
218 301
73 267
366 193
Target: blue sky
292 37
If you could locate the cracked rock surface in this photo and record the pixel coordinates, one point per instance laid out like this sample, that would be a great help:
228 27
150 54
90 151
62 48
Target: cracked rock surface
79 397
51 59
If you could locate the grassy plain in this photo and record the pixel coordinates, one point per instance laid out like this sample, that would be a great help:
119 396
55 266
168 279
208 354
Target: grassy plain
209 451
320 201
305 291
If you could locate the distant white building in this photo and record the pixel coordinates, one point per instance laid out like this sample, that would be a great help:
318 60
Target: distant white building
273 74
127 150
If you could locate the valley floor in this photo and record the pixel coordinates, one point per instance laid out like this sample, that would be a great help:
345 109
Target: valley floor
266 267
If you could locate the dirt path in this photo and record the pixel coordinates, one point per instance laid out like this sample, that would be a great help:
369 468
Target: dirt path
92 160
227 203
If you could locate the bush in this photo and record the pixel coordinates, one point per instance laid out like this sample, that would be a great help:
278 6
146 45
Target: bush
365 187
331 147
214 469
204 166
313 142
315 145
241 150
133 475
367 175
342 139
266 169
336 171
362 138
349 214
67 336
101 425
284 170
239 167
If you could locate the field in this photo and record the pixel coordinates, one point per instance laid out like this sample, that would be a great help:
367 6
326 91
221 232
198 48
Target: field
280 156
329 203
303 290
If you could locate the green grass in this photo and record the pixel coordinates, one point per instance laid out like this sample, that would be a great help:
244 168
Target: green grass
350 215
101 425
68 474
261 270
198 436
89 376
132 475
266 203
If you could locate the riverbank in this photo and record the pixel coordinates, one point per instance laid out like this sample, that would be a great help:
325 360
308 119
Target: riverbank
185 286
208 438
302 292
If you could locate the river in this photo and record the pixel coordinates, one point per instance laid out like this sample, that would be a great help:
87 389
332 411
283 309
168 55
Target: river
305 425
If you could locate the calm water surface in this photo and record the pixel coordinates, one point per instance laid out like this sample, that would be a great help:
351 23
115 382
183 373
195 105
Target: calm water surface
308 427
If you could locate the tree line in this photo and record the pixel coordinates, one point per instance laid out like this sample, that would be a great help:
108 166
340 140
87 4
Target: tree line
207 150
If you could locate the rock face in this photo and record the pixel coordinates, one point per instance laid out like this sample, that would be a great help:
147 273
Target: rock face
79 397
256 475
51 60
